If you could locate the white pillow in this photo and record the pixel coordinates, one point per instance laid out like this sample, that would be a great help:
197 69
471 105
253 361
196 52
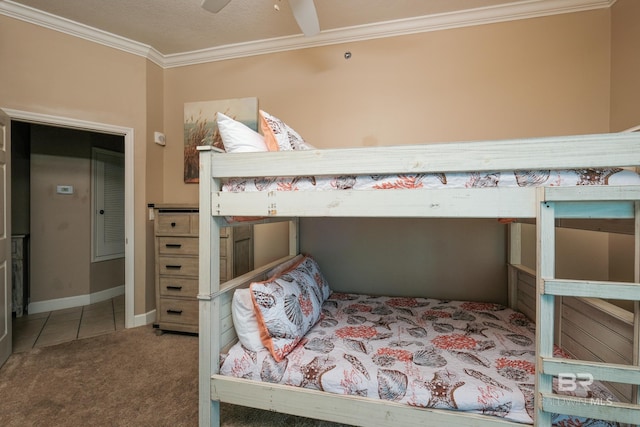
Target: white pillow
238 137
245 321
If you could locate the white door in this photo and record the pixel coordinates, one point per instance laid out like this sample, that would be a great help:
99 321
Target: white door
5 238
107 180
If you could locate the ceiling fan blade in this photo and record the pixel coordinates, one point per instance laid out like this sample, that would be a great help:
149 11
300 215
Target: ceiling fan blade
214 6
305 13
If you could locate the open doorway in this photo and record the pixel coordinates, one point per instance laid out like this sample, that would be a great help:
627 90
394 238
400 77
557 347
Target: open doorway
99 292
63 289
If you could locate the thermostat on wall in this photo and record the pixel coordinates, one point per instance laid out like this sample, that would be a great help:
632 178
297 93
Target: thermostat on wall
64 189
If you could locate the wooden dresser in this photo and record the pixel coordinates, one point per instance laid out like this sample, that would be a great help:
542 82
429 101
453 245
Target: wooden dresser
176 249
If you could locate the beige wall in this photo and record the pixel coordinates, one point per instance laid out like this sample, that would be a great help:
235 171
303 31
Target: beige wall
60 231
48 72
625 65
60 224
154 169
439 258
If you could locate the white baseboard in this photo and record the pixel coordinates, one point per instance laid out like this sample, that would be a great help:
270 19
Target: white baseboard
75 301
144 319
80 300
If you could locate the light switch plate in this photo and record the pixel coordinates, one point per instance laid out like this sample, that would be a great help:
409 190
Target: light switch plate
159 138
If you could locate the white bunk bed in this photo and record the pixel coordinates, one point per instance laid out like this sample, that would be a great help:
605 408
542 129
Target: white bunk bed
536 293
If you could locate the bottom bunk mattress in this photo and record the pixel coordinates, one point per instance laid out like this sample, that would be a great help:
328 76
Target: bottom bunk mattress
466 356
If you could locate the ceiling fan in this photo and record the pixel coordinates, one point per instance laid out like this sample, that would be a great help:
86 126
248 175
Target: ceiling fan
303 10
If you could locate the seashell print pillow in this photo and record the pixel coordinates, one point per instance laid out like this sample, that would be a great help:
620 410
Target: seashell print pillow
287 265
278 136
244 318
287 306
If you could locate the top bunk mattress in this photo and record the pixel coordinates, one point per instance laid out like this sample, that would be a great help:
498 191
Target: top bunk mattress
496 179
491 179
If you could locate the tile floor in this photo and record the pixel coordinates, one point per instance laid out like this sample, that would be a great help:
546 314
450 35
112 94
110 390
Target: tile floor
55 327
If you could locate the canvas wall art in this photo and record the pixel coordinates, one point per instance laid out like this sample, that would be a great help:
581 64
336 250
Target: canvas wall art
200 127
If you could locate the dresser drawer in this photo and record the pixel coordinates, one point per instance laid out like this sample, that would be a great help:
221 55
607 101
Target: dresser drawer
176 223
178 266
178 287
178 245
177 248
173 310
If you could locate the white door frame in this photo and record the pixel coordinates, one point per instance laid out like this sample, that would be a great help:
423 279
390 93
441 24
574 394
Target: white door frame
6 345
129 230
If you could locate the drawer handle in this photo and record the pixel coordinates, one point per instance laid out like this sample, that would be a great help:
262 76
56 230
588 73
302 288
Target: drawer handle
174 267
173 224
173 245
174 287
171 311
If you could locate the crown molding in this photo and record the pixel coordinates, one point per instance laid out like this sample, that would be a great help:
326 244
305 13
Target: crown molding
480 16
76 29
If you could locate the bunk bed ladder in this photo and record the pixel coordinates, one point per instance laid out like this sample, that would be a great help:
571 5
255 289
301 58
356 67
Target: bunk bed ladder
556 202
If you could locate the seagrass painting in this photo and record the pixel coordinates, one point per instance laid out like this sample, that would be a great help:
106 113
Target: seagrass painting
200 127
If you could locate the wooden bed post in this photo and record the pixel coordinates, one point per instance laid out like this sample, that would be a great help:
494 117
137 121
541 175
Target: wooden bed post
635 389
515 259
209 282
294 237
635 393
545 269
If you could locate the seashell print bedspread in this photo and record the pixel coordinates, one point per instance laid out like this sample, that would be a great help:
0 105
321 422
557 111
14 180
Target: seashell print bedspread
523 178
466 356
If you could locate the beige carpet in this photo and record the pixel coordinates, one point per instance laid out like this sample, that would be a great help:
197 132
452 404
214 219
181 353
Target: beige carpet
128 378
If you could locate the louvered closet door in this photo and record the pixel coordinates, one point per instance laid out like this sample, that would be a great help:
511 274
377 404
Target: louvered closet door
108 188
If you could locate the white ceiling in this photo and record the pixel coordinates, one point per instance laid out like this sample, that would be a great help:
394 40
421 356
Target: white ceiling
175 28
